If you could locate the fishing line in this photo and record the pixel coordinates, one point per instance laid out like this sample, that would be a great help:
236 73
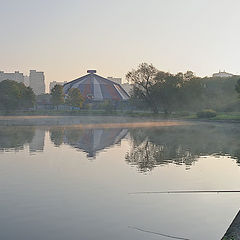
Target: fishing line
157 233
191 191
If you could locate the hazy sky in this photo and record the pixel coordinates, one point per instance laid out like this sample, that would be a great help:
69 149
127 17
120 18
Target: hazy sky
64 38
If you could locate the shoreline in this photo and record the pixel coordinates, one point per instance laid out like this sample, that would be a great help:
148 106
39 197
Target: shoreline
101 120
82 121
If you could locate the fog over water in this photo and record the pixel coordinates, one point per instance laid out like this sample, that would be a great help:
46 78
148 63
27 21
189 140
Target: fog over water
74 183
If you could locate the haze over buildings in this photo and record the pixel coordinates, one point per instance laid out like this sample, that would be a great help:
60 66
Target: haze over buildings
35 80
116 80
15 76
54 83
223 74
95 88
126 86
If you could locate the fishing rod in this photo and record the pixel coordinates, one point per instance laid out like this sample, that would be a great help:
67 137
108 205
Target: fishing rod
157 233
187 191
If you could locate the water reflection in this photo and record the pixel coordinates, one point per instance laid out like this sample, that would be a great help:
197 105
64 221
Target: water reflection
42 191
149 147
90 141
182 144
14 138
57 136
37 143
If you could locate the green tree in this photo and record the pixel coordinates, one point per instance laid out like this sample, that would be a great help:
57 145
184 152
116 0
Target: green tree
15 95
57 135
163 90
220 93
74 98
237 87
192 93
179 91
166 92
28 97
57 95
143 79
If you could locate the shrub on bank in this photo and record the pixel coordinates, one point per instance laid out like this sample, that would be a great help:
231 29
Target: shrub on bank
207 113
183 114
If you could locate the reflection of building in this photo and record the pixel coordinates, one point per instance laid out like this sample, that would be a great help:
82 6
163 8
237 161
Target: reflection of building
222 74
94 140
37 82
54 83
37 143
96 88
16 76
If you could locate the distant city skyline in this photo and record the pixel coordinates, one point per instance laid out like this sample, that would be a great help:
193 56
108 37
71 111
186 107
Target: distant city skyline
65 38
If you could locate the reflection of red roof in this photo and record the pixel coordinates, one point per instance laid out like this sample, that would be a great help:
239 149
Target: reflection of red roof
93 140
97 88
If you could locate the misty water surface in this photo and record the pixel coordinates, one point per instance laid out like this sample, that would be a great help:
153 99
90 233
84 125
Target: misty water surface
74 183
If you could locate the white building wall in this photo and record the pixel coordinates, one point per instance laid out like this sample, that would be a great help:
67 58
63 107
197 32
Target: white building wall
222 74
26 81
116 80
126 86
16 76
37 82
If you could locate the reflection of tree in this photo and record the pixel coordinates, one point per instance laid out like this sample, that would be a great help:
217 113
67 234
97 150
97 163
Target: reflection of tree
59 135
73 136
146 155
15 137
181 144
56 135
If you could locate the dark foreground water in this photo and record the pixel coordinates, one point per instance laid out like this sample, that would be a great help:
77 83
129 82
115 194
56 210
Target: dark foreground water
70 183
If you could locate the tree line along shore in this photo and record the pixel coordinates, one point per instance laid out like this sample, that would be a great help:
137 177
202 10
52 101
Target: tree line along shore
154 93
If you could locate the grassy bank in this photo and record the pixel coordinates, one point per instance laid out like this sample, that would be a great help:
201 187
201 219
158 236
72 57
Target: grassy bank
220 117
231 116
85 113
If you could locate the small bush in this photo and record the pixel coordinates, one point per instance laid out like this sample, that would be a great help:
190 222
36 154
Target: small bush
183 114
208 113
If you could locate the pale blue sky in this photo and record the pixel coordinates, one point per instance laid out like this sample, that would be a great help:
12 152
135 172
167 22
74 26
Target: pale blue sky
64 38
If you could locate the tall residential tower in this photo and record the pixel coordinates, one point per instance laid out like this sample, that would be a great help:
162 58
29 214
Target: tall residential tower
37 82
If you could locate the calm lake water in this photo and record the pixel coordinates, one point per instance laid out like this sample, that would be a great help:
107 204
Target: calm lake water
72 183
